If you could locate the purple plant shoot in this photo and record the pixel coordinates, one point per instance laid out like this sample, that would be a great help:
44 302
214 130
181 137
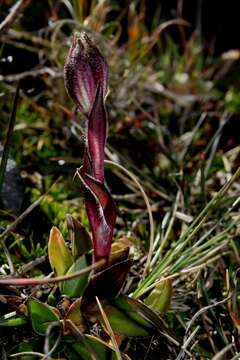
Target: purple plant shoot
86 80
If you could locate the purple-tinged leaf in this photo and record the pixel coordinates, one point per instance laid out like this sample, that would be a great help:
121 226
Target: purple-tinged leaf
114 275
96 136
101 214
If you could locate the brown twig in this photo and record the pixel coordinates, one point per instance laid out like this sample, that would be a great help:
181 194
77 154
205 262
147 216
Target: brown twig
35 281
15 223
14 12
21 217
33 72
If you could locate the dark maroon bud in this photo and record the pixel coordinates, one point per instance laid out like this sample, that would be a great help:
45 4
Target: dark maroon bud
84 70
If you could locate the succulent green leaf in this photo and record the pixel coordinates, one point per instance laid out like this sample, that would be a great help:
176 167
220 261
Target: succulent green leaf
79 237
131 317
126 316
26 346
59 255
122 324
132 311
17 321
92 347
144 311
41 315
160 297
75 287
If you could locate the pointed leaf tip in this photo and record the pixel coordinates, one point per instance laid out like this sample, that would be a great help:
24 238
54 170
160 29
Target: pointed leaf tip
58 253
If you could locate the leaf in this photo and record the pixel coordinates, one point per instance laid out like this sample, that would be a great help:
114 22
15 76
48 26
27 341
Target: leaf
41 315
74 314
101 213
131 317
75 287
13 322
26 346
92 347
109 282
160 297
122 324
133 322
79 237
119 252
124 318
142 310
59 255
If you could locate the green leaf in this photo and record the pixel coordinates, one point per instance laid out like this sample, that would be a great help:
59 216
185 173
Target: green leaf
126 316
132 311
131 317
41 315
75 287
26 346
59 255
79 237
143 311
122 324
160 297
12 322
91 347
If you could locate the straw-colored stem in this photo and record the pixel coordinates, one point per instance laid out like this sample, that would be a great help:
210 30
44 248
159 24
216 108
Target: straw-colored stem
150 216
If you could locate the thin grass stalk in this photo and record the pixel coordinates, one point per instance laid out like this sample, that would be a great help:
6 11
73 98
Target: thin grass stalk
25 213
221 353
28 353
150 216
170 225
187 342
203 258
236 357
186 237
7 144
192 269
80 336
214 240
109 329
48 350
213 202
187 257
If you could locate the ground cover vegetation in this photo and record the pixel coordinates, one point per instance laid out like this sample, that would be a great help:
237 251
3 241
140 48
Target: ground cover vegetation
119 185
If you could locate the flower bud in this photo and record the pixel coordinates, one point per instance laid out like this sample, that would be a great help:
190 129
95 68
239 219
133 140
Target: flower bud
85 69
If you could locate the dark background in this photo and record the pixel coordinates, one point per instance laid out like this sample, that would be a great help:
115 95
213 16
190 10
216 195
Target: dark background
216 21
